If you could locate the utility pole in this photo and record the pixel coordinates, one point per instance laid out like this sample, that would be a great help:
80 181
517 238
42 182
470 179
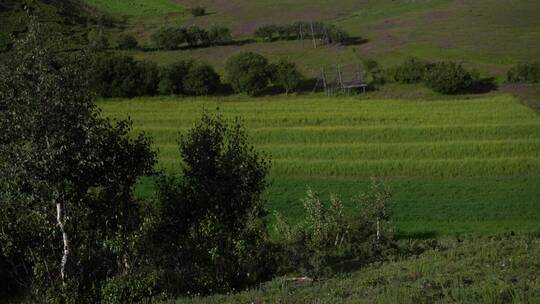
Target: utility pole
313 36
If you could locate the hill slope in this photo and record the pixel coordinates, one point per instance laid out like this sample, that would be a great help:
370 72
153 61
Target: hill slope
486 270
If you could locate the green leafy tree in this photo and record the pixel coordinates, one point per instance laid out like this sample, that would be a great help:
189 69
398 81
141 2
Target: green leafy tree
122 76
218 35
247 72
374 207
524 73
412 70
213 221
68 216
286 75
172 77
448 78
196 36
201 80
266 32
127 42
169 38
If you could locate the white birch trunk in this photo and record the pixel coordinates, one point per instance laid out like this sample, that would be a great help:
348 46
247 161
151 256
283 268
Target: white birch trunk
65 240
378 229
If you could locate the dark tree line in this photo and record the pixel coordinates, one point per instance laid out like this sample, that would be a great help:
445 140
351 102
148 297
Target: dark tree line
171 38
122 76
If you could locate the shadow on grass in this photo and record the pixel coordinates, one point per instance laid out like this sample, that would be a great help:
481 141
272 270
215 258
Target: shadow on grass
355 41
417 235
482 86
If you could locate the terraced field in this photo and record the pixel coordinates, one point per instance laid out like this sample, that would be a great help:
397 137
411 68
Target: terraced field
453 165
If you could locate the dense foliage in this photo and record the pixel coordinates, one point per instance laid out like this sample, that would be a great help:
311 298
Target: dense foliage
448 78
171 38
122 76
286 75
69 220
201 80
168 38
218 35
172 77
127 42
212 231
327 234
412 70
247 72
524 73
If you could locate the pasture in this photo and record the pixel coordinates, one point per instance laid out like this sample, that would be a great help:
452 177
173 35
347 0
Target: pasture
454 166
489 35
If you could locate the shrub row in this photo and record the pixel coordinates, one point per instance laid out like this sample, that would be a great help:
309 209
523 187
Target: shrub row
251 73
122 76
171 38
443 77
524 73
327 33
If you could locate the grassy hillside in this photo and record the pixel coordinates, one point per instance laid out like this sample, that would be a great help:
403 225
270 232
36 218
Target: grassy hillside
454 165
479 270
489 35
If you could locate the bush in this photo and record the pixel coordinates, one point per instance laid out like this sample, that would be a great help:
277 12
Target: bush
524 73
149 78
266 32
448 78
198 11
196 36
374 73
337 35
327 235
171 78
168 38
133 288
412 70
219 35
127 42
213 229
247 72
285 74
201 80
122 76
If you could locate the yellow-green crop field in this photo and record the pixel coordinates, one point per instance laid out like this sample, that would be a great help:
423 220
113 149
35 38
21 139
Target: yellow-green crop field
454 166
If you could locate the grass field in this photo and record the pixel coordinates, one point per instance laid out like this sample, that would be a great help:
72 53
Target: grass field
137 7
454 166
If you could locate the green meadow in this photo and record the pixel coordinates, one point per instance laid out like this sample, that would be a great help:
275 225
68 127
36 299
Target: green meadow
454 166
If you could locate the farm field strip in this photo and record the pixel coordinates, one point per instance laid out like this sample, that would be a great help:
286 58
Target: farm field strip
414 150
476 137
455 166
